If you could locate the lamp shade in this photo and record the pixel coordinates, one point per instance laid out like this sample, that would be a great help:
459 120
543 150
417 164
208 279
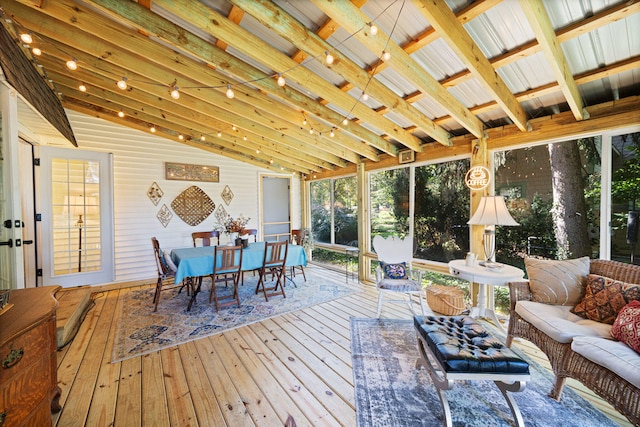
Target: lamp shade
492 210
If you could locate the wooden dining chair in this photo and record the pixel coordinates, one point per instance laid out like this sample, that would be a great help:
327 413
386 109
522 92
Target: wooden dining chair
252 232
298 237
206 237
166 275
275 255
227 263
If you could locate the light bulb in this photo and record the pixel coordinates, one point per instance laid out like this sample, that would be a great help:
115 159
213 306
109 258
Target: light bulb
373 29
257 151
345 121
281 81
120 113
332 133
175 93
329 58
304 121
202 138
72 64
26 37
386 56
153 129
122 84
310 131
82 87
36 51
180 137
219 134
230 93
365 97
233 127
244 138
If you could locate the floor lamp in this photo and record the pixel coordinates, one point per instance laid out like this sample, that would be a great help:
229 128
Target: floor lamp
491 211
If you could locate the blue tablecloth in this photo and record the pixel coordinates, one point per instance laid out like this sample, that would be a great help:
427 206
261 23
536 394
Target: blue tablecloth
196 262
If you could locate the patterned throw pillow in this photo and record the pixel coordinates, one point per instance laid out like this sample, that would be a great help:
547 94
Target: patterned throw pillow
394 271
604 298
626 328
557 282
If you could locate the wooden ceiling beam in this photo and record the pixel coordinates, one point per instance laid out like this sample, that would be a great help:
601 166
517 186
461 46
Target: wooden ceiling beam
170 65
283 24
209 20
540 23
131 13
457 38
352 20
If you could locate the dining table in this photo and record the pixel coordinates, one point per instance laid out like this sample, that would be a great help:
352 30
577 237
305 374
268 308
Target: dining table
198 261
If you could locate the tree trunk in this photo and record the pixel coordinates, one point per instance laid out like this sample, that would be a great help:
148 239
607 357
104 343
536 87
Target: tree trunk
569 208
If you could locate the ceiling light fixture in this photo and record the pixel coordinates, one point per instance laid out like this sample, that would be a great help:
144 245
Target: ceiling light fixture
365 97
233 127
373 30
120 113
152 129
36 51
345 121
72 64
202 138
230 93
310 131
175 93
180 137
26 38
244 138
82 87
281 81
257 151
122 84
219 134
386 56
328 57
332 133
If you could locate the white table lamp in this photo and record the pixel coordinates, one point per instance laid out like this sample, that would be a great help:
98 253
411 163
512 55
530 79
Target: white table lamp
491 211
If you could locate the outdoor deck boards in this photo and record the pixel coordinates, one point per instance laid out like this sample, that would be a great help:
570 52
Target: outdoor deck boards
297 364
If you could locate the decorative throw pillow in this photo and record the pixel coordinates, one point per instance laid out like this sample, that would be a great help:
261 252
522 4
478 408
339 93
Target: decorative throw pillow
169 262
626 328
394 271
557 282
604 298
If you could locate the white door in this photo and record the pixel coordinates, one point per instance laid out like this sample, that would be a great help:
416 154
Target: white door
77 212
276 207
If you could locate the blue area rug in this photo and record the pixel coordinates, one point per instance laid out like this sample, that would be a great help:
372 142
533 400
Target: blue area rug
141 331
390 391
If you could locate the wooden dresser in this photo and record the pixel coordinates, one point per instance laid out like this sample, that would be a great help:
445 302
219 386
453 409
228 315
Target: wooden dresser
28 382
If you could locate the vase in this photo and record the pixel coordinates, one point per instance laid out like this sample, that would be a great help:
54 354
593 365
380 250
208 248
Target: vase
232 239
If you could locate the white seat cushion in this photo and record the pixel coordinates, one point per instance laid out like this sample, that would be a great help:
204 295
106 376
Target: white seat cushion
616 356
399 285
559 323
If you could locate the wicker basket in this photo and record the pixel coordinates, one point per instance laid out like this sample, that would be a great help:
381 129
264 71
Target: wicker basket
447 300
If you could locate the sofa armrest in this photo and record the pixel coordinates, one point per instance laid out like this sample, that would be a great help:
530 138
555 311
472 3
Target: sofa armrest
518 291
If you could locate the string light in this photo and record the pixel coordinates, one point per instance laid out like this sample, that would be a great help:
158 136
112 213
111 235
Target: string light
257 151
72 64
26 38
180 137
230 93
153 129
234 128
121 114
365 97
328 58
202 138
219 134
122 84
82 87
281 81
332 133
373 30
345 121
244 138
310 131
175 93
36 51
386 56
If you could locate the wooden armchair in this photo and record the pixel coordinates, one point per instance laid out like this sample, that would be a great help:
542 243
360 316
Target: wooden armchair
394 276
166 274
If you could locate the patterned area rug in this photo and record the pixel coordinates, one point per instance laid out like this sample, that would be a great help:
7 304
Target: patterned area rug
390 391
141 331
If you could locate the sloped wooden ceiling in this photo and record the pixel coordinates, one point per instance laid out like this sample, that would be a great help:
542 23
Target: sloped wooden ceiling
457 71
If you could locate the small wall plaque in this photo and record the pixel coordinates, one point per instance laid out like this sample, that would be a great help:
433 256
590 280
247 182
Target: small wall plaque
155 193
164 215
186 172
227 195
406 156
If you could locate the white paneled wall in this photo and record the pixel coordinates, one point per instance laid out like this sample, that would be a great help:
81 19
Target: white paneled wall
138 161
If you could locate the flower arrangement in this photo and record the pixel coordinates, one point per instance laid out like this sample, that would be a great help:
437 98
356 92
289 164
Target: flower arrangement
235 225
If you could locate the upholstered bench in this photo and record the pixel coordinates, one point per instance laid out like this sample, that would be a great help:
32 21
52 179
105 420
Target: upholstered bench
459 348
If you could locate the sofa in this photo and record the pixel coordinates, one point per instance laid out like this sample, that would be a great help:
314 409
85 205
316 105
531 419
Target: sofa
579 347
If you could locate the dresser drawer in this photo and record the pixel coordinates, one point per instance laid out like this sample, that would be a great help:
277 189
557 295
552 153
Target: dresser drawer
20 352
26 390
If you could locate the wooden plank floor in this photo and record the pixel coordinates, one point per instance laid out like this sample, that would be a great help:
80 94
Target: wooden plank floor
297 365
